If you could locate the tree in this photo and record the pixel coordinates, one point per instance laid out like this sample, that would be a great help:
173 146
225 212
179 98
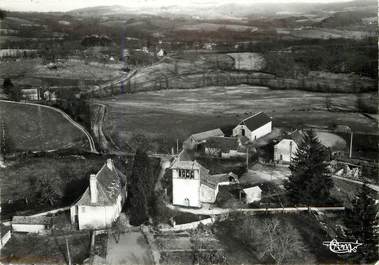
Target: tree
360 220
138 189
3 14
309 182
276 238
49 189
7 85
13 92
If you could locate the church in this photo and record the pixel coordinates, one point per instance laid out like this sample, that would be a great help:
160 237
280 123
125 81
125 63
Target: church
192 185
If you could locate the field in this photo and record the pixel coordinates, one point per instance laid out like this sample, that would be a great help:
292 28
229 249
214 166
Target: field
28 249
248 61
67 72
34 128
168 115
329 34
214 27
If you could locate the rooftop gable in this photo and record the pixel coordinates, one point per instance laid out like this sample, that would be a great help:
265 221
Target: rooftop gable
256 121
225 144
205 135
108 185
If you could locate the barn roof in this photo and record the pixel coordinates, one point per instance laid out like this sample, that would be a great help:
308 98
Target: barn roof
256 121
225 144
296 136
205 135
108 186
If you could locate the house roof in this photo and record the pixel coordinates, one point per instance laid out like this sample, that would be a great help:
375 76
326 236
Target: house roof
205 135
225 144
252 190
4 229
31 220
212 180
108 186
256 121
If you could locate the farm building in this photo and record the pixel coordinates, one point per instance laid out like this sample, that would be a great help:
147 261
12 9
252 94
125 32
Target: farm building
161 53
198 138
30 94
192 184
224 147
101 203
251 195
5 232
285 150
31 224
254 126
287 147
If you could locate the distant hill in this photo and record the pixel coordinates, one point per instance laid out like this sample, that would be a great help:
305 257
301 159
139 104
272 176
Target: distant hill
229 11
342 19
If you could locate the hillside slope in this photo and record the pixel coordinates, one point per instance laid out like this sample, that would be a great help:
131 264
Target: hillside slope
34 128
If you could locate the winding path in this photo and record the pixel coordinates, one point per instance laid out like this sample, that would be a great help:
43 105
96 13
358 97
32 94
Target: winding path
66 116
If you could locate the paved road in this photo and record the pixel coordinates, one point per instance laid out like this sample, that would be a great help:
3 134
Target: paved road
67 117
131 249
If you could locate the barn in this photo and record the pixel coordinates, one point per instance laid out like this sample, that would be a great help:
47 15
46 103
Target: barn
254 127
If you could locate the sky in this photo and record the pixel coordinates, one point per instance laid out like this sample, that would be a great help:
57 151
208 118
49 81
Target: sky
65 5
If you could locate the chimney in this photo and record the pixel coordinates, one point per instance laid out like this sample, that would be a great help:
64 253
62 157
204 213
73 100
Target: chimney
110 163
93 188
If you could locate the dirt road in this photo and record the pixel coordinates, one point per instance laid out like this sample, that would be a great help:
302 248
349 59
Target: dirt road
130 249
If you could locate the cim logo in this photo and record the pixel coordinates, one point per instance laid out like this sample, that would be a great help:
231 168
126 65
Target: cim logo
342 247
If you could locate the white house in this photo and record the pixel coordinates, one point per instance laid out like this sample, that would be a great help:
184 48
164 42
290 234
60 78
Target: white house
5 232
192 184
254 126
101 203
31 224
285 150
161 53
198 138
224 147
30 93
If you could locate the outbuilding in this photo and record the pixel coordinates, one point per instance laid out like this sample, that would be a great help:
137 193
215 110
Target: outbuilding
251 195
31 224
254 127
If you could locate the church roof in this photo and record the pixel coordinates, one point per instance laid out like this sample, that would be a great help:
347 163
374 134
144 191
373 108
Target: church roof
256 121
108 186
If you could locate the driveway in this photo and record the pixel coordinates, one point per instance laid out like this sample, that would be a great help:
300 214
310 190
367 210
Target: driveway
131 249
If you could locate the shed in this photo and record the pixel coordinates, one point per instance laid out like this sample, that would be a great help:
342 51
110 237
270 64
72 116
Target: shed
31 224
253 194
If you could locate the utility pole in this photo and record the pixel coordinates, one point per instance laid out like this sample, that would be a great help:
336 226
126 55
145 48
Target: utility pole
351 144
68 253
247 159
177 145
